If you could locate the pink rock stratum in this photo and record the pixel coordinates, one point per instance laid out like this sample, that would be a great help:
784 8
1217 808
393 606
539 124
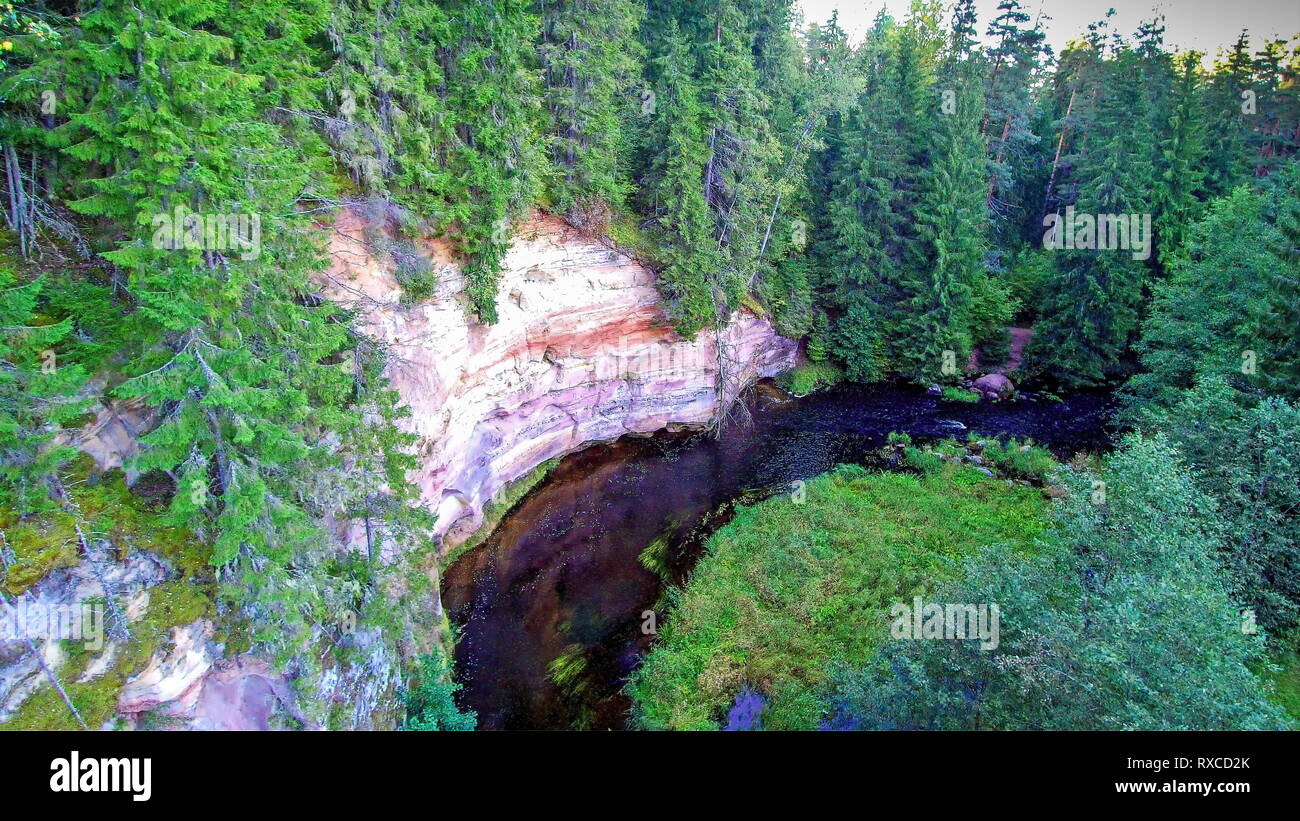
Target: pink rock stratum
582 352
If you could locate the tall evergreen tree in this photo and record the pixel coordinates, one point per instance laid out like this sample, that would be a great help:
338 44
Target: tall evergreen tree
944 263
589 54
674 187
1180 165
1093 301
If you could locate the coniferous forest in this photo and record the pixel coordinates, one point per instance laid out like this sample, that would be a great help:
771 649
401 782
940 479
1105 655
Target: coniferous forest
939 195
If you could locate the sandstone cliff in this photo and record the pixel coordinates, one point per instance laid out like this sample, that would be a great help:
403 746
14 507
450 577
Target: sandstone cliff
581 353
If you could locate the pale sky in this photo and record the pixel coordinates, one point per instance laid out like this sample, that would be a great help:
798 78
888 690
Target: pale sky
1204 25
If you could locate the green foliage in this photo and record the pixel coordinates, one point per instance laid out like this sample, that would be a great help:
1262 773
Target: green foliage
1284 674
590 58
786 293
719 141
170 114
675 187
923 459
787 590
858 344
812 376
1091 306
430 705
1180 163
1020 460
1247 458
882 198
1120 614
943 265
1232 306
952 394
1027 277
37 396
438 108
819 339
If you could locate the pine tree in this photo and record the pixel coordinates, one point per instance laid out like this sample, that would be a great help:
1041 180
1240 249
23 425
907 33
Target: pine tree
37 397
862 243
493 159
1227 99
589 54
1093 301
944 263
1012 138
1180 165
439 109
1230 307
742 151
255 420
674 188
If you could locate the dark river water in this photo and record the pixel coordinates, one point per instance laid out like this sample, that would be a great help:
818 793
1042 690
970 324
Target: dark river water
562 577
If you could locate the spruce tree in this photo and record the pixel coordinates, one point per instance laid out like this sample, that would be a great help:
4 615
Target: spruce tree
944 263
255 419
674 188
1093 301
589 54
37 397
1180 164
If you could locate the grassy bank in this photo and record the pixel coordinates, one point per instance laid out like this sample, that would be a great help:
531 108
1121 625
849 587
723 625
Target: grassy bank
788 589
809 377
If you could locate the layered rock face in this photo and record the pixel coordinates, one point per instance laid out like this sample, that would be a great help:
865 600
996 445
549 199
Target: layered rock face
581 352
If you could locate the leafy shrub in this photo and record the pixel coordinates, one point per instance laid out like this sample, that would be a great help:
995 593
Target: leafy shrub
926 461
1120 620
810 377
1022 461
952 394
414 272
431 705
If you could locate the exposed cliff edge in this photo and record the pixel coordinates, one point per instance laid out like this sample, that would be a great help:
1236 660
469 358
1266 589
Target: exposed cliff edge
582 352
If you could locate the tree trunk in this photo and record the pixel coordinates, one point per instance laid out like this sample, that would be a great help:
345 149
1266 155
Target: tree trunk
1056 161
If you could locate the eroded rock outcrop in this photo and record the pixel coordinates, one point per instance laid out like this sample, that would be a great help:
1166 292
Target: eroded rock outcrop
582 352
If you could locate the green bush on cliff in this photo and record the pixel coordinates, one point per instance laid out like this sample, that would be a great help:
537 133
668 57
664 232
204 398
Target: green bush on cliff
430 706
811 376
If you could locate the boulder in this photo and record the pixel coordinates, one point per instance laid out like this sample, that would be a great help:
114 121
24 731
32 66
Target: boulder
996 384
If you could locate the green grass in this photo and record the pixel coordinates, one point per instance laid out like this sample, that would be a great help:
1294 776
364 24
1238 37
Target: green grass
786 591
811 376
952 394
1286 681
1020 460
